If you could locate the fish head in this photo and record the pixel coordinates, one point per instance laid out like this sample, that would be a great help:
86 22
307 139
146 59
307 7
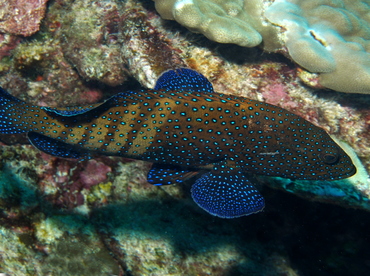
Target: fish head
317 158
309 154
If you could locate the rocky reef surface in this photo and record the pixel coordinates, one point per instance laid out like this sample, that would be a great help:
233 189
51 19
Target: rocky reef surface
101 217
327 38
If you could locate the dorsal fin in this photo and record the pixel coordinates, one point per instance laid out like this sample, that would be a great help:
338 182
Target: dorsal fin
71 111
183 79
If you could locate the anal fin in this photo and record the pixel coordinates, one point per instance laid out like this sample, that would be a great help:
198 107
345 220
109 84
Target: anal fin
55 147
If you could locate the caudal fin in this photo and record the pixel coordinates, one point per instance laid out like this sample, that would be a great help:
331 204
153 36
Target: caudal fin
10 113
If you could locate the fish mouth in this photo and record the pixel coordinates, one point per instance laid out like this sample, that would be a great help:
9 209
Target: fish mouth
352 172
345 173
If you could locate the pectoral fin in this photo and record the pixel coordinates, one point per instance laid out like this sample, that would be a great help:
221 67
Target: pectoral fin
167 175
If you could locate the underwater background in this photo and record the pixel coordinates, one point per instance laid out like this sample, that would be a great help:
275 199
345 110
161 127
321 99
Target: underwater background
101 216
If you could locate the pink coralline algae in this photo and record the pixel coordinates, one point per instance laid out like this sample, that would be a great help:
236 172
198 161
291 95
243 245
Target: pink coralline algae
65 180
21 17
94 173
91 96
275 93
7 43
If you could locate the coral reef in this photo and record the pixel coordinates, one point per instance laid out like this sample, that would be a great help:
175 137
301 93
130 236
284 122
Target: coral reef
331 38
7 44
221 21
19 17
91 41
151 52
101 217
96 38
326 37
67 183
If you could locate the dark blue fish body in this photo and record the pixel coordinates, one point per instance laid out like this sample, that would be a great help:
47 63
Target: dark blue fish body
184 127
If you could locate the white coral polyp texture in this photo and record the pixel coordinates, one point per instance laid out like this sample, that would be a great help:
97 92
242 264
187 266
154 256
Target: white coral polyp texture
327 37
224 21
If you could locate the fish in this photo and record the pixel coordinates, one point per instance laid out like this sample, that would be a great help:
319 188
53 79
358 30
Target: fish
187 130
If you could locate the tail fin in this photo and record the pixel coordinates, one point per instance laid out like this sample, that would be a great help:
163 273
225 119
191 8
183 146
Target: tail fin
10 110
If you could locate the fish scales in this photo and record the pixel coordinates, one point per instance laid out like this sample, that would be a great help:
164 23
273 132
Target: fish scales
183 126
195 129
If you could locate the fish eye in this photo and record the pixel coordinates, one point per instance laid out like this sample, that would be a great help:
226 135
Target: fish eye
329 158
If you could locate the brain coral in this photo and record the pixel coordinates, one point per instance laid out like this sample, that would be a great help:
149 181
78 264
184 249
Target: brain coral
329 37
